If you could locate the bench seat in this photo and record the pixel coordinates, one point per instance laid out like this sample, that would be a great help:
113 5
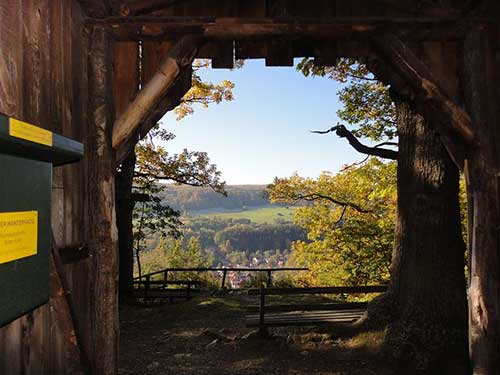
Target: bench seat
304 318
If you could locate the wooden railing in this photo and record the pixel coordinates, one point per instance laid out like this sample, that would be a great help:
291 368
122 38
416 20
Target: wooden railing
158 289
164 273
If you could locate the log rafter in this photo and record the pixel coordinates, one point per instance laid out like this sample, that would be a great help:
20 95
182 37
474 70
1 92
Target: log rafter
454 123
410 28
138 7
142 108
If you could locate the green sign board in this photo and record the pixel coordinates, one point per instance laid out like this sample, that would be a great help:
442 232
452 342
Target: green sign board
27 155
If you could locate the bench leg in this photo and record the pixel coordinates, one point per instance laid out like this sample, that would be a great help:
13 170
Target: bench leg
264 332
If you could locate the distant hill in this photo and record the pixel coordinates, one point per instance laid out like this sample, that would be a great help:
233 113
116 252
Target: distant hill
190 199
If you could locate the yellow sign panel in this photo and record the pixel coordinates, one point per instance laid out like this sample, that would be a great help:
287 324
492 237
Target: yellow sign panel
18 235
23 130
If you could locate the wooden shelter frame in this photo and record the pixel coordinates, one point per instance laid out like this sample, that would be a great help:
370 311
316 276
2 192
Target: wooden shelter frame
441 56
410 53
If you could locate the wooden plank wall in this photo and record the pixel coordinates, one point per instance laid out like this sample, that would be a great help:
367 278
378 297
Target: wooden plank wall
43 81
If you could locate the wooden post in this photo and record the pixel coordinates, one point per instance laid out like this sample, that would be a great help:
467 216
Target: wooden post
60 309
147 286
177 60
165 279
481 74
103 236
223 278
262 312
269 278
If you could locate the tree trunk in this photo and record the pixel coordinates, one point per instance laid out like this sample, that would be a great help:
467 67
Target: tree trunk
428 329
124 210
103 237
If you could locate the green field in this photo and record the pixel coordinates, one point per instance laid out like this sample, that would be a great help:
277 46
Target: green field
258 215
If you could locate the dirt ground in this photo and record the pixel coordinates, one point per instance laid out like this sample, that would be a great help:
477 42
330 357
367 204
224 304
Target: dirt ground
207 335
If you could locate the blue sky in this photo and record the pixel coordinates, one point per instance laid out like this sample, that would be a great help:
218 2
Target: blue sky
264 131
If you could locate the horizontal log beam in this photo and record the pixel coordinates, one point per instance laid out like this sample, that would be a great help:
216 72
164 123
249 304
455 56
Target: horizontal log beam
147 27
138 7
215 269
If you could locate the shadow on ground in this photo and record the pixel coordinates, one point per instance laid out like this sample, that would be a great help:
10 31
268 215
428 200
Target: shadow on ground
207 335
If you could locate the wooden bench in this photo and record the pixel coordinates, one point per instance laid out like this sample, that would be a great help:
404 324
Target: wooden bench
148 289
264 316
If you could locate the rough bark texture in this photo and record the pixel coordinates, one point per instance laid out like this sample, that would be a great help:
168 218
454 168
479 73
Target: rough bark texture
427 294
481 70
103 237
124 211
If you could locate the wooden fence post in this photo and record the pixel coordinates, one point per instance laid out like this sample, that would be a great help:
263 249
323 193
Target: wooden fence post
165 279
147 286
269 278
223 278
262 311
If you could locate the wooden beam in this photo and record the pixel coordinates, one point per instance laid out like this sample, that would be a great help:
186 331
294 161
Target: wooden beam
479 78
58 276
125 74
137 7
102 232
178 59
98 8
133 28
455 125
279 52
64 322
169 101
321 290
224 51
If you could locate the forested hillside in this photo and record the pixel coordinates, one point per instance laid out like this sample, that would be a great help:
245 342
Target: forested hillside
194 199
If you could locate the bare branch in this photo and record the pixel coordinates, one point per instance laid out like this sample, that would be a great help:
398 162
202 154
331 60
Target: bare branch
318 196
342 132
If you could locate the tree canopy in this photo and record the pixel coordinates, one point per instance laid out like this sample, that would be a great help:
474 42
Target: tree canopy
349 220
366 104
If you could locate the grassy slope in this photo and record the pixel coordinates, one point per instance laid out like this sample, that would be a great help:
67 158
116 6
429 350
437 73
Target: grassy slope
259 215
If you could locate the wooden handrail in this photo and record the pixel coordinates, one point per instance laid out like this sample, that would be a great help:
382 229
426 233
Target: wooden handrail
321 290
227 269
171 282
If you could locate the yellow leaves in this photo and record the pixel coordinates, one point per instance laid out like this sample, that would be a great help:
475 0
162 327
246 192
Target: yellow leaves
346 246
204 93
